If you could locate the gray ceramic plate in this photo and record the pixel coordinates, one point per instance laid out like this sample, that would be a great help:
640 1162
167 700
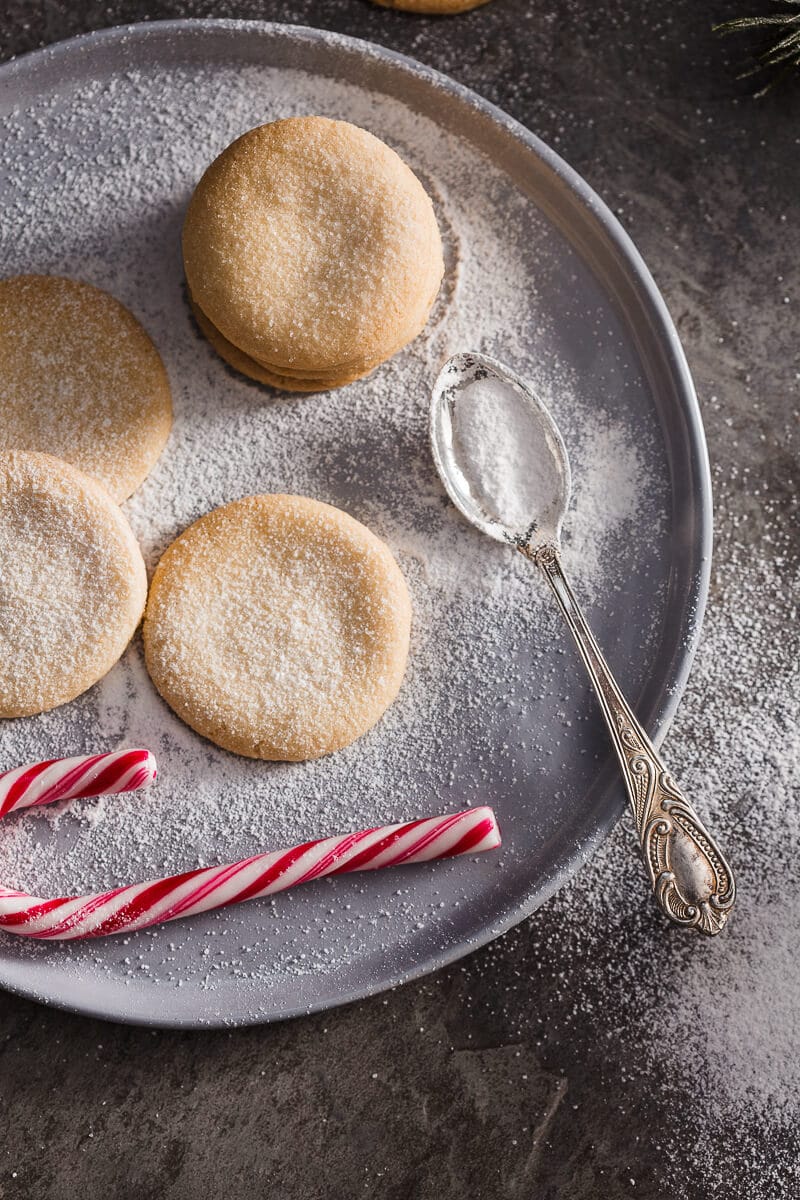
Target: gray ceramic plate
512 724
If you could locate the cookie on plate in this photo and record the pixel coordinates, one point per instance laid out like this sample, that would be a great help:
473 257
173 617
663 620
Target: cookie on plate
434 7
278 627
312 253
81 380
72 582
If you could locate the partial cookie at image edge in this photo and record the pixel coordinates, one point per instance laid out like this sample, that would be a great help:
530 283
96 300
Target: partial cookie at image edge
439 8
73 583
81 379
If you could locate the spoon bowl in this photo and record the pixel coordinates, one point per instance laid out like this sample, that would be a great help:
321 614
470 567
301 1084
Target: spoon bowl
465 380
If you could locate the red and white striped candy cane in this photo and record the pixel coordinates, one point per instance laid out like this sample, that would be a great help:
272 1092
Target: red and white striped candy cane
125 909
75 778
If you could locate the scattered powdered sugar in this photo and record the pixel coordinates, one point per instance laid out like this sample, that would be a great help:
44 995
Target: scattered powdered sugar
717 1021
743 765
504 454
492 707
605 453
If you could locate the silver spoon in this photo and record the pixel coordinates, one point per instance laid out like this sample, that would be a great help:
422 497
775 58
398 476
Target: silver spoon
691 878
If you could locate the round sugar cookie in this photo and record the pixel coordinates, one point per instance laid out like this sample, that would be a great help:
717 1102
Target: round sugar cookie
278 627
72 582
311 247
80 379
434 7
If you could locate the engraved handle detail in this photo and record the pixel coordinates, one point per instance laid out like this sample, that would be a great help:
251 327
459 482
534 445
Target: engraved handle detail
691 878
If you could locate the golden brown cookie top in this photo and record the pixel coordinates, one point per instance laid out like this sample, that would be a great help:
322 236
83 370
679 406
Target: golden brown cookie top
309 243
278 627
80 379
434 7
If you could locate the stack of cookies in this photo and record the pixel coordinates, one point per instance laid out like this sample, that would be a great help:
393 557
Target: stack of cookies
312 253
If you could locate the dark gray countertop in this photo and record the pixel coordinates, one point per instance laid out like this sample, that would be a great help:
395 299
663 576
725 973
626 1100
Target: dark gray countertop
591 1052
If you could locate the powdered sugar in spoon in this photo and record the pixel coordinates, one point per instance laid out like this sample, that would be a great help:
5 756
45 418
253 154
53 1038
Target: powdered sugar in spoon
504 464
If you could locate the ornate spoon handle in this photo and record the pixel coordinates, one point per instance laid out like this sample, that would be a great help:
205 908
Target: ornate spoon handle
691 878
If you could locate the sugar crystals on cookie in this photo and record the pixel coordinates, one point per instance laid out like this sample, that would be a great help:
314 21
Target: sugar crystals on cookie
80 379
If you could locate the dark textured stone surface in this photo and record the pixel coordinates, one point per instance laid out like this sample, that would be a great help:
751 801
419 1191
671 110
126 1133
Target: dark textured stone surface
538 1066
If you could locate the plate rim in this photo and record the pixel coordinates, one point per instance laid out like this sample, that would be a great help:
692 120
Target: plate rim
698 571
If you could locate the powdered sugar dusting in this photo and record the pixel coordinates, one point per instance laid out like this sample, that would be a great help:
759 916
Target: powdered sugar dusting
504 452
491 706
705 1019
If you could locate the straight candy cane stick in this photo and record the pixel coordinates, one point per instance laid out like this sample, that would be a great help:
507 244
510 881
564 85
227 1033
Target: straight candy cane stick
75 778
129 908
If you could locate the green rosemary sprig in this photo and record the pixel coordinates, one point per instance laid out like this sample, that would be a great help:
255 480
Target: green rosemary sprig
781 57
